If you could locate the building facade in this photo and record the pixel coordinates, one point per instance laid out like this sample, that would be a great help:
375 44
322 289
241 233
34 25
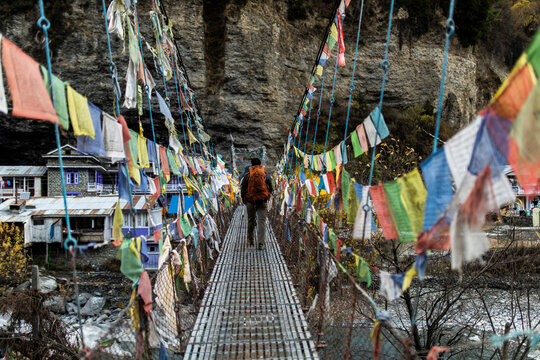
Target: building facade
22 182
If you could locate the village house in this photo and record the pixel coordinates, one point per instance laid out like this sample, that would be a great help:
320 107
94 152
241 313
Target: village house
22 182
91 218
90 175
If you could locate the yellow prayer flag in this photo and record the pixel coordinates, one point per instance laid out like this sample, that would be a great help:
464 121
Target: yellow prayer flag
134 173
199 208
135 247
118 221
192 138
319 70
333 31
80 113
413 195
143 152
409 275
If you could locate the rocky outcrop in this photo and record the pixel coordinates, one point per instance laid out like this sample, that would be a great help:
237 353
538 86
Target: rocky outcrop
249 64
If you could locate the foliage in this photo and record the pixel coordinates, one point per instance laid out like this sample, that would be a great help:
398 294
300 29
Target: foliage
13 258
414 127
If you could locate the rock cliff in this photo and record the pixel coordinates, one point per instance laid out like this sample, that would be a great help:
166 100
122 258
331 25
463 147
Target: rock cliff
248 64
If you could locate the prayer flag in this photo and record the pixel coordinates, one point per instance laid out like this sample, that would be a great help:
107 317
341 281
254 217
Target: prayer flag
383 215
133 147
357 149
391 285
164 163
371 131
59 95
345 182
88 145
378 121
329 184
362 270
192 138
533 53
28 92
123 185
413 196
514 91
459 150
397 211
361 132
118 221
341 47
352 208
338 154
163 107
79 113
524 154
439 187
143 152
468 241
172 163
362 221
112 138
3 102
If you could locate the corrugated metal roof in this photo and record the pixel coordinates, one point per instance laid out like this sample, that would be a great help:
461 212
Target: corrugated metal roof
77 206
22 170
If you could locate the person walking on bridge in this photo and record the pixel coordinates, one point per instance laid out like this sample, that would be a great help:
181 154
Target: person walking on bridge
256 189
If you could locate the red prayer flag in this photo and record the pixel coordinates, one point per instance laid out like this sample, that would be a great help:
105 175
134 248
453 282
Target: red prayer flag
164 161
379 203
28 91
341 55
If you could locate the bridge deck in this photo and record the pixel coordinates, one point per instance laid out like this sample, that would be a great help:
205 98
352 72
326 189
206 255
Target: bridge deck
250 309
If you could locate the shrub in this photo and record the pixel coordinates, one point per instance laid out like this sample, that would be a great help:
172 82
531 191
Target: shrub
13 258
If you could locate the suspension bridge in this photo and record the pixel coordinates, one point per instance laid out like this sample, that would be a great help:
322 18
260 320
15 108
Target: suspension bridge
250 309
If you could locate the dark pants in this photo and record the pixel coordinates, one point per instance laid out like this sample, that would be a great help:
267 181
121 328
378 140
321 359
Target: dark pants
256 213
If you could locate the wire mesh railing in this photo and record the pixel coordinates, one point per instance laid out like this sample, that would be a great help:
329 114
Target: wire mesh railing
140 332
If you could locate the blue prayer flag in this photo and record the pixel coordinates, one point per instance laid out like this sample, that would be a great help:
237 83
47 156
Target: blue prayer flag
438 183
85 143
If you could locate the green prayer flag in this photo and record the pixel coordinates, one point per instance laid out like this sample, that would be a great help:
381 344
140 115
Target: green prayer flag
332 241
59 95
185 226
331 42
398 211
172 163
533 53
352 209
357 148
130 264
134 147
362 271
345 182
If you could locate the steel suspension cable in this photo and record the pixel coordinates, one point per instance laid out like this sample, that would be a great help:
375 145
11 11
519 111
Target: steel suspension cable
70 243
450 27
332 100
385 64
351 87
317 122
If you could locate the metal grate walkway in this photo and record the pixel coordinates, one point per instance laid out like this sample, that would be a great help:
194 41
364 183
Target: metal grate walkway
250 309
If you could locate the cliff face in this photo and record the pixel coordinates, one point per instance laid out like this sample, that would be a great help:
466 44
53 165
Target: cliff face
248 64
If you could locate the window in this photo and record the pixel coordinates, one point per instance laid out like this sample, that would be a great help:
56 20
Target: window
95 177
39 222
142 220
72 177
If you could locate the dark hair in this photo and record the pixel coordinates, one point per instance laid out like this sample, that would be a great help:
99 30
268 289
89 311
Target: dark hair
255 161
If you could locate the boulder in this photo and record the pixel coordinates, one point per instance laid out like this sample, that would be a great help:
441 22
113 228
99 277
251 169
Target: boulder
24 286
83 298
93 306
71 308
47 284
56 303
